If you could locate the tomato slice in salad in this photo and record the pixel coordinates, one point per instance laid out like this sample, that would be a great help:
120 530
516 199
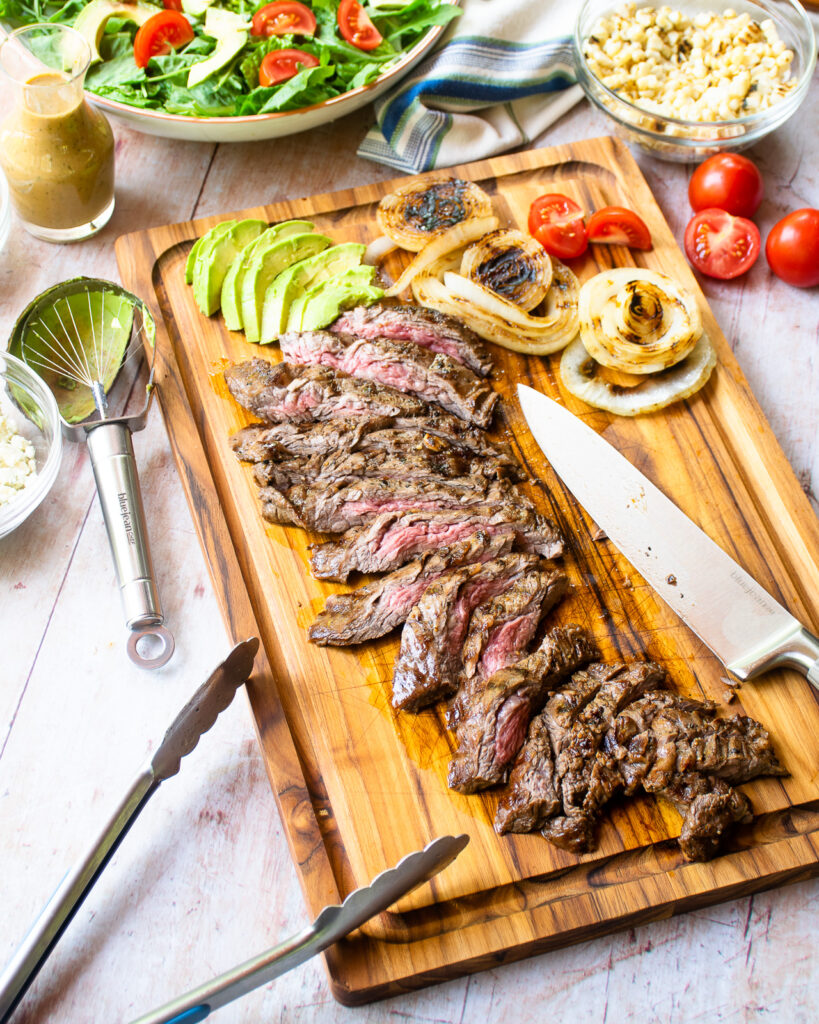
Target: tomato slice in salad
355 26
556 221
279 65
286 17
615 225
172 5
721 245
160 34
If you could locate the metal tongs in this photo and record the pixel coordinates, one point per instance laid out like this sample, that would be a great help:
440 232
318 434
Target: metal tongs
333 923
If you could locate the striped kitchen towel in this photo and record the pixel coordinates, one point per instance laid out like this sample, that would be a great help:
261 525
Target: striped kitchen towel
501 75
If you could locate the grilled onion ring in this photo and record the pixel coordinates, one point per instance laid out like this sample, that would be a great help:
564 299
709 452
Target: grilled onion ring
637 320
455 237
578 371
411 216
511 264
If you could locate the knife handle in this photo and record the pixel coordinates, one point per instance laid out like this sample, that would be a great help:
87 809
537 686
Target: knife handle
799 650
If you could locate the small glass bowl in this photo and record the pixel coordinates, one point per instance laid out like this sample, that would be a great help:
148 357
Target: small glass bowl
27 402
670 138
5 212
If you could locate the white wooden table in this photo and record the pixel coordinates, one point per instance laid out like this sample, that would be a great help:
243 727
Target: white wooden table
204 878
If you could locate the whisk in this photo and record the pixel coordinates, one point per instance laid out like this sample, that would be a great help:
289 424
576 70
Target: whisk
91 340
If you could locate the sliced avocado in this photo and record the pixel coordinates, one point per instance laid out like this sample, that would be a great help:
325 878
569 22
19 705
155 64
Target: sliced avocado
297 279
93 18
220 229
232 285
321 304
264 267
196 8
214 259
230 32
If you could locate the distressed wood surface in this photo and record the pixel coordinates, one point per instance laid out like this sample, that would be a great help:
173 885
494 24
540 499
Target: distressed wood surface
204 878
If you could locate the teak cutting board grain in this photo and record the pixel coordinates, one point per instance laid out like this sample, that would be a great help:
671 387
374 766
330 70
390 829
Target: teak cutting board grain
359 785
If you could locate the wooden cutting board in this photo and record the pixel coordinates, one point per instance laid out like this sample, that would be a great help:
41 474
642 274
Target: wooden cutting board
359 785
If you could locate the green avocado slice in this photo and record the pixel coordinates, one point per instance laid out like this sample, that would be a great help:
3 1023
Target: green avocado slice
231 298
265 266
214 259
321 304
92 19
297 279
196 248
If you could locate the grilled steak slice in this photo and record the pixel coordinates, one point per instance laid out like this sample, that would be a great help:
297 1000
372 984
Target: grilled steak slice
438 432
375 609
393 538
336 506
502 627
587 777
531 796
279 392
709 807
492 728
427 327
398 364
429 662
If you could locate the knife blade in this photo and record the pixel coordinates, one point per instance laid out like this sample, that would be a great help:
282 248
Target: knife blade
746 628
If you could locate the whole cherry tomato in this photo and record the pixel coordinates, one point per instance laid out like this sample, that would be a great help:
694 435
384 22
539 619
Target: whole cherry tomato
792 248
728 182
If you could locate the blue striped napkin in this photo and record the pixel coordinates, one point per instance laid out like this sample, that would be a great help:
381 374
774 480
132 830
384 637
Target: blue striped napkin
501 75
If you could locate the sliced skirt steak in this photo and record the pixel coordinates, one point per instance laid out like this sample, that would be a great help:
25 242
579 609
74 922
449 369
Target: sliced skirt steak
398 364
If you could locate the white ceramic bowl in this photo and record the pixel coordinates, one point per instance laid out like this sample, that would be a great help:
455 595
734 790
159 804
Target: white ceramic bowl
255 127
28 403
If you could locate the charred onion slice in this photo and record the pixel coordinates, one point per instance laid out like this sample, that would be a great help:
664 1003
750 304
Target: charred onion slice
512 265
413 215
453 238
531 335
638 320
579 372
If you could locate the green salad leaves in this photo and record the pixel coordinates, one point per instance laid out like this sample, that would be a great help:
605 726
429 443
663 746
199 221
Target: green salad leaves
234 90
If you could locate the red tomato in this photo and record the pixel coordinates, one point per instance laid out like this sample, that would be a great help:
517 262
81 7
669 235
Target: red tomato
160 34
792 249
616 225
728 181
557 223
355 26
279 65
721 245
283 18
172 5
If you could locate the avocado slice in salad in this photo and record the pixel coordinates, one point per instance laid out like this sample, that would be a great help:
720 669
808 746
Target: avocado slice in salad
196 248
321 304
232 285
214 259
291 283
196 8
231 34
93 18
265 266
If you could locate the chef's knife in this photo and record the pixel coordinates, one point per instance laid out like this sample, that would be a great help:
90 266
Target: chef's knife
197 716
730 612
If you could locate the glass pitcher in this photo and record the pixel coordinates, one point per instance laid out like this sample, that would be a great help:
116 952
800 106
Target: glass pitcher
56 151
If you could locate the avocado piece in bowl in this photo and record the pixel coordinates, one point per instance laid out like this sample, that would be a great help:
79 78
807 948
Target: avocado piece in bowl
323 303
93 18
231 297
230 31
214 259
294 281
264 266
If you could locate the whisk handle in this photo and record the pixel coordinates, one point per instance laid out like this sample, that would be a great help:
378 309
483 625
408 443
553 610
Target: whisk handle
115 471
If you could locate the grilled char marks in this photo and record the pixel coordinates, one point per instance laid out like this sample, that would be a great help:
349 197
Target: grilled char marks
494 716
393 538
426 327
404 365
375 609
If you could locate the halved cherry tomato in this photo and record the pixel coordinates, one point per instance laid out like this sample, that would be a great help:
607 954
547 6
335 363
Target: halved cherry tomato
356 27
721 245
279 65
615 225
286 17
556 221
728 181
792 248
160 34
172 5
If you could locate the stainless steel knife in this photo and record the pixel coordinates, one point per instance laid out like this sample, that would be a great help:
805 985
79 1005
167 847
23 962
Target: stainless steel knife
746 628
